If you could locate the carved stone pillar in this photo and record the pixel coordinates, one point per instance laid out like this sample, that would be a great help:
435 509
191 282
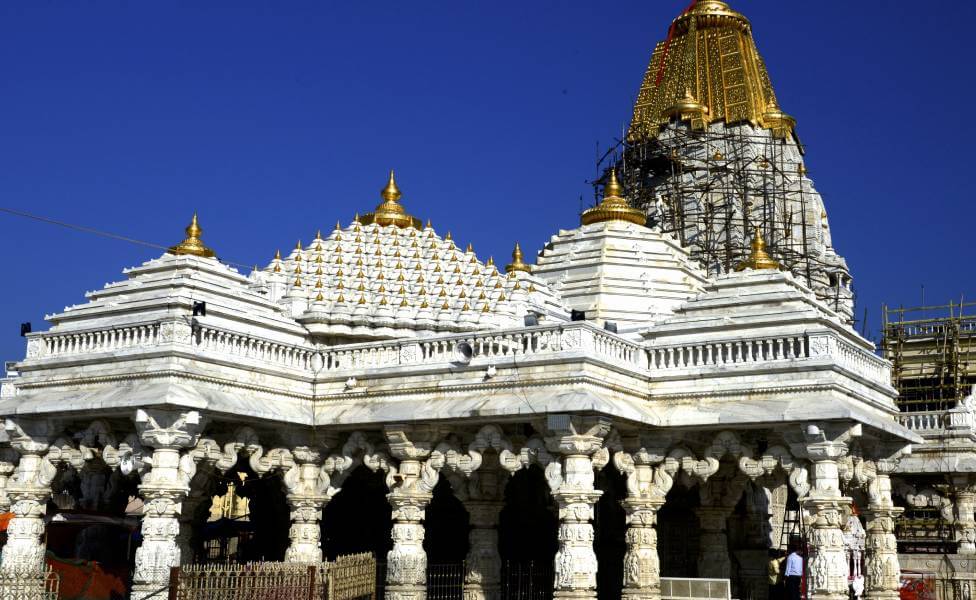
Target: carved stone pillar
163 490
965 506
647 488
309 490
412 484
581 444
882 577
28 492
828 511
482 577
642 566
713 555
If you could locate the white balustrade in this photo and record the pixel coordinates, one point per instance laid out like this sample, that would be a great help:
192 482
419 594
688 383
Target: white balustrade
103 340
731 352
923 421
237 345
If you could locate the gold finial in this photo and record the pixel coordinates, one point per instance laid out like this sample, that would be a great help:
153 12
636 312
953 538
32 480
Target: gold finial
298 246
758 258
338 226
390 211
491 262
355 218
448 237
517 263
428 225
192 245
470 247
613 207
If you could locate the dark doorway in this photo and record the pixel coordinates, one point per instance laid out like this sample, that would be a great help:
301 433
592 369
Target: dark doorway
269 516
358 518
678 533
610 530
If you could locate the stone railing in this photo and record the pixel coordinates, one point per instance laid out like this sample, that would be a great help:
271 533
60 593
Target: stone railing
923 421
731 352
540 341
854 359
241 346
524 343
91 341
149 336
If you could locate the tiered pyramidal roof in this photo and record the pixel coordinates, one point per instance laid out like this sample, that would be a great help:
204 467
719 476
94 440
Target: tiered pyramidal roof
385 275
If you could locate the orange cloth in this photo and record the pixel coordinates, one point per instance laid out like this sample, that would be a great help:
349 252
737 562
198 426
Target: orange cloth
85 580
5 520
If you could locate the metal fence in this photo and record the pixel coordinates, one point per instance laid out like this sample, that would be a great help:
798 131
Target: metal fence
350 577
519 581
30 585
527 580
445 581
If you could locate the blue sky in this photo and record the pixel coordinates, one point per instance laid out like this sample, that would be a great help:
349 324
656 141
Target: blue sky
275 119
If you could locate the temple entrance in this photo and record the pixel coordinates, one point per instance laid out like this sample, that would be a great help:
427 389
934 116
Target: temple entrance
357 519
610 529
269 516
527 537
678 533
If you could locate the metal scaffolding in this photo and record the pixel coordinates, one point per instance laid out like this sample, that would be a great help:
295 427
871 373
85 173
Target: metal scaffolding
711 189
933 354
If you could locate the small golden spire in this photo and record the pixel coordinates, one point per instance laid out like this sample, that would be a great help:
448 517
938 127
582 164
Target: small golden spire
448 238
319 297
318 235
428 226
298 246
470 248
517 263
277 261
491 262
390 211
338 226
355 218
613 207
758 258
192 245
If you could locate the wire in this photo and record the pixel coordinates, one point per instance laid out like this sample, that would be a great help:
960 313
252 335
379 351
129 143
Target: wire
98 232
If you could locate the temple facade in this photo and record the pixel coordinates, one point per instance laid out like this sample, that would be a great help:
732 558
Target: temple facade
616 411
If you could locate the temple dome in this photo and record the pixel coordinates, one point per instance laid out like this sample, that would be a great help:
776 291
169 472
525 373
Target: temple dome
395 278
709 56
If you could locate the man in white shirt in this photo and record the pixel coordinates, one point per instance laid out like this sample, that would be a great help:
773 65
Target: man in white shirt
793 573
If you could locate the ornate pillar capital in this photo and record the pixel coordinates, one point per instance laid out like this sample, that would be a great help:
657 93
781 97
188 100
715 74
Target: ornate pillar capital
163 429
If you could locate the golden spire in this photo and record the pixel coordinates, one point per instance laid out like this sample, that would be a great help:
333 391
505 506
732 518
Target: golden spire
390 211
613 207
684 81
193 245
758 258
517 263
